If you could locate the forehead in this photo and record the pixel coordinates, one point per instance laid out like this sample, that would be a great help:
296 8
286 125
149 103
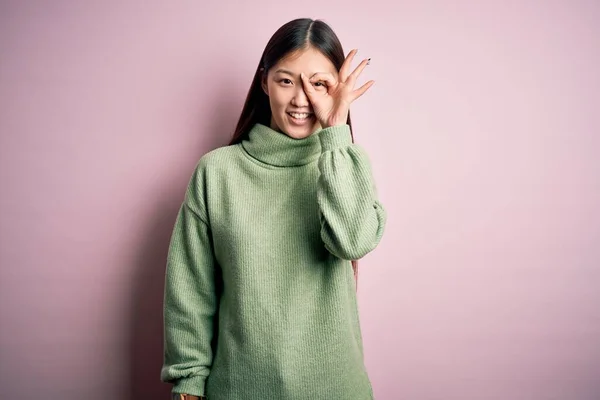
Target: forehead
307 60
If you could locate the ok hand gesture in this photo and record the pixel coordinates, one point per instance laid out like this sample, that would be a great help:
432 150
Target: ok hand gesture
331 106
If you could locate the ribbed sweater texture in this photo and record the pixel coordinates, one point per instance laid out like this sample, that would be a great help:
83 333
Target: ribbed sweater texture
260 300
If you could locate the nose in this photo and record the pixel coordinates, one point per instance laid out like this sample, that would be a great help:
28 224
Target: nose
300 99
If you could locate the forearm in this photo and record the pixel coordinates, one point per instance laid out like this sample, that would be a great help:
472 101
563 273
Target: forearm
190 305
352 218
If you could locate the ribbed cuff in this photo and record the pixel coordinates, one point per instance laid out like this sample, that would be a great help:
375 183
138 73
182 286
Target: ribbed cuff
192 385
335 137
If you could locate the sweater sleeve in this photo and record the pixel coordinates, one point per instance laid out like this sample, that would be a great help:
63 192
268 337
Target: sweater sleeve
190 299
352 218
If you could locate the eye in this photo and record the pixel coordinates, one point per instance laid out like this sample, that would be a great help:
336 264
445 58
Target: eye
285 81
319 85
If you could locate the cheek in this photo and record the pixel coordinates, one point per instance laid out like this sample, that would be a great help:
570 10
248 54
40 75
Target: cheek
279 99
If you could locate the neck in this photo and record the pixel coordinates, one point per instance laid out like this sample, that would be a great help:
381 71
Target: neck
275 148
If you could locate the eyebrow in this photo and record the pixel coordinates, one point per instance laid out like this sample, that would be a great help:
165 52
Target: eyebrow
284 71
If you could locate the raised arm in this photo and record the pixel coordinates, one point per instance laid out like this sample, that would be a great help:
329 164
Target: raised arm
352 218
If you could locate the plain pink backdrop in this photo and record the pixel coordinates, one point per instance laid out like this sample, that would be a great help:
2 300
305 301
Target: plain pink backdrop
482 127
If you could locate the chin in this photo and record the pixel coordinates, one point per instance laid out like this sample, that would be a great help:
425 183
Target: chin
296 131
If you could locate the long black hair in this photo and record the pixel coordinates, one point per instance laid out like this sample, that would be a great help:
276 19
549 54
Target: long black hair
295 35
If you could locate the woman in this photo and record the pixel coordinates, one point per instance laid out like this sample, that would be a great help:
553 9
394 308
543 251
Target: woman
260 301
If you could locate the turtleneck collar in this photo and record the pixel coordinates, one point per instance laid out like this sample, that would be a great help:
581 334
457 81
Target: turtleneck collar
278 149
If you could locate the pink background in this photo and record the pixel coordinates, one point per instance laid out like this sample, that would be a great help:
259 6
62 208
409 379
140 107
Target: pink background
483 129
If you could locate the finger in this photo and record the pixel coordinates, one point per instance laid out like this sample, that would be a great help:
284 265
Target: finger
308 87
326 77
346 65
356 73
361 90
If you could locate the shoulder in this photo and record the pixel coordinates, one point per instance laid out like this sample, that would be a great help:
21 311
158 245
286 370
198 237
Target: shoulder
217 161
210 170
216 165
219 157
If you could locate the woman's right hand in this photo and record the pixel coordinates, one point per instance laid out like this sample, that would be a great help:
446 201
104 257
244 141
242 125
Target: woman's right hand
182 396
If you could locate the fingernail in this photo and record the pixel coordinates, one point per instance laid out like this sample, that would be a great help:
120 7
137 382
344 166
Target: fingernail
369 61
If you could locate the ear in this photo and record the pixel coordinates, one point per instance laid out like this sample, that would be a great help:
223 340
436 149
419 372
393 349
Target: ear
263 82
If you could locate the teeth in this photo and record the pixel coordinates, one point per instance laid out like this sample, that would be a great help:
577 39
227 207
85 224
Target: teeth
300 115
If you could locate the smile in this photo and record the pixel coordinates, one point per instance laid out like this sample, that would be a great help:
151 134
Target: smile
300 115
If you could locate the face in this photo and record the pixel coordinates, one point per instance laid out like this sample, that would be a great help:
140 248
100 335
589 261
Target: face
291 111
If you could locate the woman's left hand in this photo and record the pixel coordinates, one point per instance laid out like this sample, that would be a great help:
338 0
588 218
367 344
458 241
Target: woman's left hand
331 105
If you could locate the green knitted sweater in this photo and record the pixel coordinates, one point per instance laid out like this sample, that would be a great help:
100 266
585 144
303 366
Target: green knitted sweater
260 301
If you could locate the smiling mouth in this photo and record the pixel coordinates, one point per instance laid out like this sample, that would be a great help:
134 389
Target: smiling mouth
300 116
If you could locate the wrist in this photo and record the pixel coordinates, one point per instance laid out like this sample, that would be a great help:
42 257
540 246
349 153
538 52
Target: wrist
336 119
184 396
335 137
334 122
